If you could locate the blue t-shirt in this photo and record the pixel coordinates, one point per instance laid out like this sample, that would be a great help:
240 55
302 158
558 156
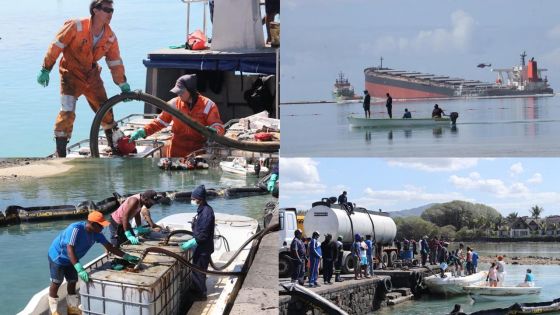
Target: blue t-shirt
357 249
529 277
76 235
368 251
474 258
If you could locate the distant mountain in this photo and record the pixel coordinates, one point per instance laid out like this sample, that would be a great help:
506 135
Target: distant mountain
414 212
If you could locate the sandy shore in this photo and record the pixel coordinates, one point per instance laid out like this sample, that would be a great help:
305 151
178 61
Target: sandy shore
529 260
29 168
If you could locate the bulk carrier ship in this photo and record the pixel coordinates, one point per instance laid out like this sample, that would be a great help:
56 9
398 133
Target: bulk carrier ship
518 81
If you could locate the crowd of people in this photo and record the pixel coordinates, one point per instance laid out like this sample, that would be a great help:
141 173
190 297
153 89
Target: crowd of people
307 255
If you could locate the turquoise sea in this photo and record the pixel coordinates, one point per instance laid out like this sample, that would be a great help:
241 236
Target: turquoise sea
27 27
24 267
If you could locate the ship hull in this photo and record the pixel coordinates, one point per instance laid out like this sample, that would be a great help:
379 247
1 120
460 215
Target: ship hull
400 87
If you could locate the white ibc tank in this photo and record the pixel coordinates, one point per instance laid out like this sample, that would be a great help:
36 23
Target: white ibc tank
336 222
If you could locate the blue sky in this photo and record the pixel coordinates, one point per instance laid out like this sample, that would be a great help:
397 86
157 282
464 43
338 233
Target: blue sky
322 37
507 184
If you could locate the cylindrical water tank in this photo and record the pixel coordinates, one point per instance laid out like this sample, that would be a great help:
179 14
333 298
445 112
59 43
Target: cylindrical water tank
325 219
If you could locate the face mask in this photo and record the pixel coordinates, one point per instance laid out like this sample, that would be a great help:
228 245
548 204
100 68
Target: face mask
193 202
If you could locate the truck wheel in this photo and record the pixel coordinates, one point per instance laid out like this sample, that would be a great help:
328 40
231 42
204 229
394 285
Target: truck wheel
384 259
347 263
392 258
285 266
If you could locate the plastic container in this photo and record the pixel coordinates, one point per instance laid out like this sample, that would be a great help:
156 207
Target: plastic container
157 288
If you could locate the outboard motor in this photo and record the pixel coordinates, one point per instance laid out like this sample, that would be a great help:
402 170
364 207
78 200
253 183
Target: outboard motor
454 116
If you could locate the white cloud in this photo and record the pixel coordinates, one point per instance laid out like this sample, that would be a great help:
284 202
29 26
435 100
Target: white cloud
536 179
516 169
494 186
300 176
434 164
456 38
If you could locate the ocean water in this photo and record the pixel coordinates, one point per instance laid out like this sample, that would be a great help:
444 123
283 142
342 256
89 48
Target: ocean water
27 27
486 127
24 260
547 277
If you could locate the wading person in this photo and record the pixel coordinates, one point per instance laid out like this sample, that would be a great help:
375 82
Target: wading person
297 250
120 227
65 253
389 105
192 104
82 42
202 241
367 100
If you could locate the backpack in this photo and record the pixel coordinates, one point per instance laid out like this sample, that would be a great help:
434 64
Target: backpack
259 97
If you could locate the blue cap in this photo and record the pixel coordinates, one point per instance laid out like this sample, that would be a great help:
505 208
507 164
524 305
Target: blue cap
199 193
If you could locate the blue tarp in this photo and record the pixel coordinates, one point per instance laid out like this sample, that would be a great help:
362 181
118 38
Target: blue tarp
264 63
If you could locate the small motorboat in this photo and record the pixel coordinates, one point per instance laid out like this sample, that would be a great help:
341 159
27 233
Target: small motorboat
239 166
398 122
482 292
450 285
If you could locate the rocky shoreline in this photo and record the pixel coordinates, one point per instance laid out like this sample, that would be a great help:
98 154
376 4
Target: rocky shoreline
526 260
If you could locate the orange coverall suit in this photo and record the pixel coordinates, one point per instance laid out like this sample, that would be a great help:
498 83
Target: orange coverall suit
185 139
79 71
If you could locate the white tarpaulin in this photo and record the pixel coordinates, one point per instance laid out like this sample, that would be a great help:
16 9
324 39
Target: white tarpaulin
237 25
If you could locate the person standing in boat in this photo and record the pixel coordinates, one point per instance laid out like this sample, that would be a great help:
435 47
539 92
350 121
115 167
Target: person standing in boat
501 268
437 112
389 105
192 104
65 252
120 228
407 114
367 100
82 42
203 241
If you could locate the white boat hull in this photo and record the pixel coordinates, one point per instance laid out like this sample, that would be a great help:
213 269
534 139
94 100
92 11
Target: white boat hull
452 285
486 293
235 228
397 122
230 167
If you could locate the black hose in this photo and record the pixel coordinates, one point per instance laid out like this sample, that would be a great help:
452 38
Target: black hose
175 232
259 235
150 99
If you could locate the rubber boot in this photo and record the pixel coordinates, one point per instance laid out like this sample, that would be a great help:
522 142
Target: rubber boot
72 301
53 305
110 143
61 143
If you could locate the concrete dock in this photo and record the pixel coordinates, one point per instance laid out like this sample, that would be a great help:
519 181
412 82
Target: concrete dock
259 292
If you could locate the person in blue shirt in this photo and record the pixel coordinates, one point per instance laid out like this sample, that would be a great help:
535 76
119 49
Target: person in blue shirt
370 252
315 256
203 242
474 261
66 251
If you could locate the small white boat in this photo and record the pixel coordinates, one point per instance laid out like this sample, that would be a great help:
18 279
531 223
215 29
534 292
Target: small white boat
398 122
450 285
110 291
239 166
482 292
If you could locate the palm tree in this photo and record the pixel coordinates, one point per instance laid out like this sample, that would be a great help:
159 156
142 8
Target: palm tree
536 211
512 217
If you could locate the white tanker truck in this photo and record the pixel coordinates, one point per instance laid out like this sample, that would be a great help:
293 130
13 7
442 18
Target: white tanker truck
326 216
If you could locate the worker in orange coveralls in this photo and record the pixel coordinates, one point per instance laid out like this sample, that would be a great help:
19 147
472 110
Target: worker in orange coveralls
82 43
197 107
